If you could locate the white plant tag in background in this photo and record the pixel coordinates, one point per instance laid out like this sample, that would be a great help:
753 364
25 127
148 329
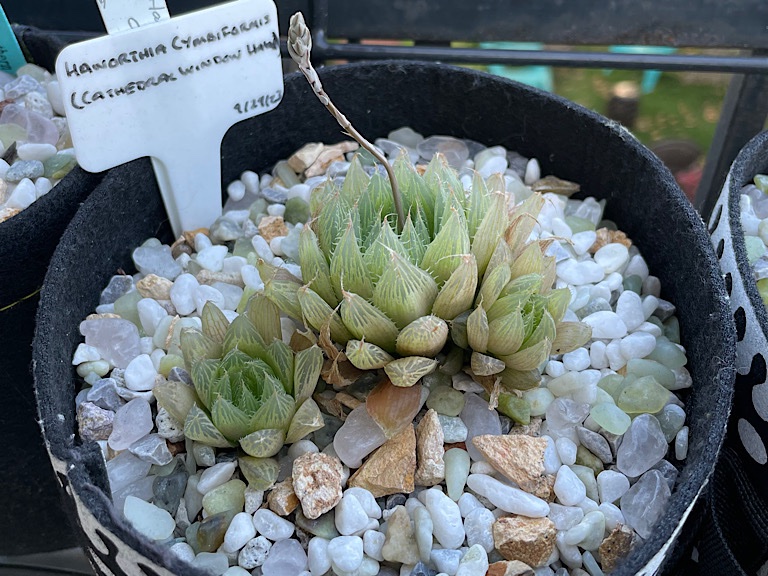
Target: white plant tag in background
171 91
119 15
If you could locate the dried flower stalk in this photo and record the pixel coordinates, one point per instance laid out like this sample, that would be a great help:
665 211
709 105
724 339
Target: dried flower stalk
299 47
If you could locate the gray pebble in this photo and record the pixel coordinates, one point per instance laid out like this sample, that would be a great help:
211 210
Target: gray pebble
24 169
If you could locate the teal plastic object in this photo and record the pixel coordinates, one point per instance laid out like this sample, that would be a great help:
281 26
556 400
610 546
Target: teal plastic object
537 76
650 77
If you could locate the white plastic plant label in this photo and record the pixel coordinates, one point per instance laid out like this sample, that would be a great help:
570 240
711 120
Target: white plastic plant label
119 15
171 91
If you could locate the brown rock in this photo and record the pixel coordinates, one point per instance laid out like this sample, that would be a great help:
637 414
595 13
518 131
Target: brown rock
555 185
272 227
429 451
509 568
529 540
329 404
615 547
189 235
104 315
544 487
207 277
328 156
317 483
180 247
400 542
606 236
155 287
94 423
519 457
531 429
391 468
348 400
8 213
282 499
305 156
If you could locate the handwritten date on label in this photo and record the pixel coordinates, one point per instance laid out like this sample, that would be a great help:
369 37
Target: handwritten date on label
171 91
263 102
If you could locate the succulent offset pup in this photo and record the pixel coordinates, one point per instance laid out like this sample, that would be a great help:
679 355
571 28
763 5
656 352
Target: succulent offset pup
394 267
250 388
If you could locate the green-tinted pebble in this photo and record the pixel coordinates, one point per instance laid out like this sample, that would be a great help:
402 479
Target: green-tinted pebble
324 526
657 321
257 209
761 181
168 362
672 329
191 536
633 283
228 496
58 166
587 473
609 224
516 408
611 384
671 419
642 396
603 396
296 210
446 401
755 248
762 287
210 532
668 354
579 224
125 306
436 379
10 133
610 417
286 174
644 367
243 247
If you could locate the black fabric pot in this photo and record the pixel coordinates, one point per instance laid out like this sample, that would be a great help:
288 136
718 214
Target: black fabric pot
744 510
569 141
27 241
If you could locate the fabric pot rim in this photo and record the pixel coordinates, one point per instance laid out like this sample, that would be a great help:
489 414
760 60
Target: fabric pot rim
82 463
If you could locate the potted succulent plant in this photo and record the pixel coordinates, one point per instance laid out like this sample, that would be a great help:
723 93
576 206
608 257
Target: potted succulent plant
252 391
27 242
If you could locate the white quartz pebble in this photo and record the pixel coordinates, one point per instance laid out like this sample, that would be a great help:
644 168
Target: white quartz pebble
629 308
35 151
569 489
215 476
240 531
612 257
611 485
507 497
317 556
373 542
212 258
606 324
23 195
272 526
446 517
183 294
236 190
637 345
140 373
350 516
345 553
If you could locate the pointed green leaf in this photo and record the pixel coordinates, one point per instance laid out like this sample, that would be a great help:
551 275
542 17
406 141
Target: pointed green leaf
530 261
404 291
316 311
280 359
366 356
176 397
477 330
306 372
280 286
348 270
196 345
444 254
529 358
215 324
234 359
331 221
457 293
377 257
405 372
489 232
204 375
276 412
242 334
261 473
513 379
544 330
415 192
425 336
412 242
248 402
232 422
477 204
502 255
492 286
459 330
525 286
263 443
570 336
321 195
307 419
376 202
314 266
265 316
198 427
355 182
505 334
364 320
557 303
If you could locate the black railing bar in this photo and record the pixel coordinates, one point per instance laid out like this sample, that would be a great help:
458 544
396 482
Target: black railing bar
323 50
